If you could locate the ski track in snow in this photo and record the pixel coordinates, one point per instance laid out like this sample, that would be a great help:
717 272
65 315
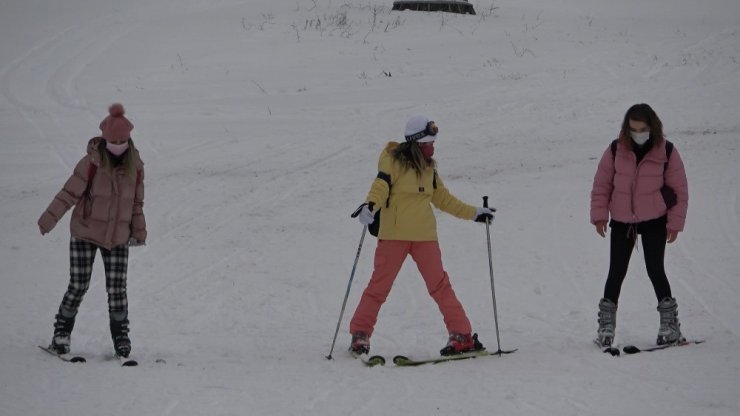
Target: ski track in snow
722 192
29 113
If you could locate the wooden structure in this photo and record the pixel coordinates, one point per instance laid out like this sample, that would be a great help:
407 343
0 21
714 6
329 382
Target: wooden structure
452 6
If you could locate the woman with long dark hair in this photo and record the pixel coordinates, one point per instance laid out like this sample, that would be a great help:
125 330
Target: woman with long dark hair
641 185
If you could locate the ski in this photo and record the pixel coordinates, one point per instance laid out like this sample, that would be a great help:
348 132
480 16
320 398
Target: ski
126 361
403 361
64 357
607 349
370 361
633 349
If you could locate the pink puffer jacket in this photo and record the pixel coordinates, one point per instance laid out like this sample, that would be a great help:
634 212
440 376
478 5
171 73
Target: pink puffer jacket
111 213
630 193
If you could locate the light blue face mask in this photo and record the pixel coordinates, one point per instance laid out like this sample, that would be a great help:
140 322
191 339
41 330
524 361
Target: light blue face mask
640 138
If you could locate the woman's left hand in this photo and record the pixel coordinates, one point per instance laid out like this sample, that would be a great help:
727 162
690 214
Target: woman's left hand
671 236
484 214
132 242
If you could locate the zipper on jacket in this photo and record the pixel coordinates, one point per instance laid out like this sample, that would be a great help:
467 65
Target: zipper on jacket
633 156
634 181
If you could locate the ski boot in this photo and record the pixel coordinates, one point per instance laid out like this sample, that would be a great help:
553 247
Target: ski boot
360 343
670 328
460 343
607 322
61 340
121 341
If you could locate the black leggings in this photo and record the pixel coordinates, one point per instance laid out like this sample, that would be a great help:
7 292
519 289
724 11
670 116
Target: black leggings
623 237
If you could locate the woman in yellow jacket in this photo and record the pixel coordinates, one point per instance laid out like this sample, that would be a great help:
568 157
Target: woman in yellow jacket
404 190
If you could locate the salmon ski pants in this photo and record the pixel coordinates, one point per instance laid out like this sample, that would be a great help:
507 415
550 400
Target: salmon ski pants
389 257
115 262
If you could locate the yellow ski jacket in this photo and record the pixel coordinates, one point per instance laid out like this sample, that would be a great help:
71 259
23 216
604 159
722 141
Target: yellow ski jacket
405 200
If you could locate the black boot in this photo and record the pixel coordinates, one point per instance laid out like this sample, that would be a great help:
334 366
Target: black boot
121 341
62 333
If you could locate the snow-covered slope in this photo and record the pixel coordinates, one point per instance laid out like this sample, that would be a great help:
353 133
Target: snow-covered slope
260 123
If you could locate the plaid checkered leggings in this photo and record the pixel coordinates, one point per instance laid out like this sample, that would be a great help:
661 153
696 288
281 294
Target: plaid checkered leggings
81 257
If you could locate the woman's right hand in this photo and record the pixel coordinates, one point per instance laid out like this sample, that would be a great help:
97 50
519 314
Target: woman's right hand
365 213
46 223
601 228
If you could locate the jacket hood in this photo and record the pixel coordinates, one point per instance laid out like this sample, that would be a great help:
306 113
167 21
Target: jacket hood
390 146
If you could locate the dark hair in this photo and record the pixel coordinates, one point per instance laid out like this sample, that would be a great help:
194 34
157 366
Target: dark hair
641 112
409 155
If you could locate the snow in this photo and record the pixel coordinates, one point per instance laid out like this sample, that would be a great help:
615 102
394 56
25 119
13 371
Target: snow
260 123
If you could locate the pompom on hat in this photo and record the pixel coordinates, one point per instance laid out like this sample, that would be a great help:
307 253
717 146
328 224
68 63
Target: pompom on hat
116 127
420 129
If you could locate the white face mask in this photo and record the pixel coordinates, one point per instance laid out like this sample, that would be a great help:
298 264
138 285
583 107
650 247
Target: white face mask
116 149
640 138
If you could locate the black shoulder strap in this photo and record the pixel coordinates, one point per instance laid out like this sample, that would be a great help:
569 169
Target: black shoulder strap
434 180
668 151
387 178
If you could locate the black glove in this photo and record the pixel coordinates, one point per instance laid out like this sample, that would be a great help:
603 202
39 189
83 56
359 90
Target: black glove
484 214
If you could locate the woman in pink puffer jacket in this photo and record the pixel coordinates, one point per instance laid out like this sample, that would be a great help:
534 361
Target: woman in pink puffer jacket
641 185
106 190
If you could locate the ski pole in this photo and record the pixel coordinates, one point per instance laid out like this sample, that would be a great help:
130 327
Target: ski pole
346 295
490 268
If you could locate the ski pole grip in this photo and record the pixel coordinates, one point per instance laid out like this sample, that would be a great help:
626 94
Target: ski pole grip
485 202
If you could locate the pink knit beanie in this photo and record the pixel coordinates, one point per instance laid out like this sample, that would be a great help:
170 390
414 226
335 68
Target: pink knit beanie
116 126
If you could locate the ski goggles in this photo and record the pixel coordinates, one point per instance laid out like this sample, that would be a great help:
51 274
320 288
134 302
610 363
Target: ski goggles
426 135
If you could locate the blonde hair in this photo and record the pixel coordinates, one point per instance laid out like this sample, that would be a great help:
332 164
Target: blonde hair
409 155
128 161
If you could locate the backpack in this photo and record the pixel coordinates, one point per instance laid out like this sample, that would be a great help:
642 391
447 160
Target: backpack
669 195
